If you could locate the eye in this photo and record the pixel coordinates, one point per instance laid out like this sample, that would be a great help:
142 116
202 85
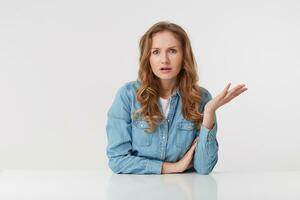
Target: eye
155 52
173 50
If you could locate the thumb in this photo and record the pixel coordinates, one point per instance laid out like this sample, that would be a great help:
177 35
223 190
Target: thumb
194 145
195 140
225 90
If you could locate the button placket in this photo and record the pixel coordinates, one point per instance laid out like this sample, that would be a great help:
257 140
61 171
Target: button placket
163 139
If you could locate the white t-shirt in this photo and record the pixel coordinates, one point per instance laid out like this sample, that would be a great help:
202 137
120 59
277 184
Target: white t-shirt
165 104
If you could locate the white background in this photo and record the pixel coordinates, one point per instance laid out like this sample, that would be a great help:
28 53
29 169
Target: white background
61 63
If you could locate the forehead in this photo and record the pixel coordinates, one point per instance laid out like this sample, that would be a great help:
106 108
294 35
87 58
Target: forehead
164 39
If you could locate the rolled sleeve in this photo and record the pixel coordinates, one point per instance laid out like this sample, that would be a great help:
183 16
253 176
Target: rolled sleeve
209 134
154 166
206 152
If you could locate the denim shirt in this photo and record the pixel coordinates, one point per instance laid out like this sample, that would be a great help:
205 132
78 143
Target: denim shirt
131 150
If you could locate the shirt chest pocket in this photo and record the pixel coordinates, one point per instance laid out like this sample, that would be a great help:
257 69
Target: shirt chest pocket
139 135
185 134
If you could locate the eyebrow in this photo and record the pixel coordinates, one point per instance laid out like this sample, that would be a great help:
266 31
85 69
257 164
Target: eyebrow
168 47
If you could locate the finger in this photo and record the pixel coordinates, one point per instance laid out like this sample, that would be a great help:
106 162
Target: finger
195 140
235 93
227 86
236 88
193 147
240 91
225 90
190 152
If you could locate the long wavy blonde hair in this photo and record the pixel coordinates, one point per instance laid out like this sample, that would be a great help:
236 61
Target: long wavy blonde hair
148 92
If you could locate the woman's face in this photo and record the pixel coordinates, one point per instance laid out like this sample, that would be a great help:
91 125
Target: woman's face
166 56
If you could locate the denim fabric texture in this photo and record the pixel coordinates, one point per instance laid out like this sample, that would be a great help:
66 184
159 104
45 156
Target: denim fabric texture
131 150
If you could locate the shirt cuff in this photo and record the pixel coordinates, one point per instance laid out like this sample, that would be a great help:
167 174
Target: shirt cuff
154 166
208 134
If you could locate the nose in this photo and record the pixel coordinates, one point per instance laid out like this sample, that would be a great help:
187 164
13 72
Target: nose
164 58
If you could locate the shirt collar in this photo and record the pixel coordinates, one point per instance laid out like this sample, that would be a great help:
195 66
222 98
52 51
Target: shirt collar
176 92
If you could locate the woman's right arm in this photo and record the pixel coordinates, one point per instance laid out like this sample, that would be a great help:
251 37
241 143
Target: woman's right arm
119 149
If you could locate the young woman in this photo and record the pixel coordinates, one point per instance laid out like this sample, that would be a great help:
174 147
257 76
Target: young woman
164 122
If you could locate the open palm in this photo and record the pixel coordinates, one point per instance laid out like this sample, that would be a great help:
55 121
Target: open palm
224 97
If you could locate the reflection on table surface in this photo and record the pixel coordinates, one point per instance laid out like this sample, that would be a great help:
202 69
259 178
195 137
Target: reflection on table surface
171 186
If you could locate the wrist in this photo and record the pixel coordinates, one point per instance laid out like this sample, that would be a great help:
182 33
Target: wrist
168 167
209 111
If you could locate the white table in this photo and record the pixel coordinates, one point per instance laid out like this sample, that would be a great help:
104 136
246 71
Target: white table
101 185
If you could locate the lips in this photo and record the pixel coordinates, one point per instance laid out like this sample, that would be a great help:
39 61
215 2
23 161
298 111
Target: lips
165 68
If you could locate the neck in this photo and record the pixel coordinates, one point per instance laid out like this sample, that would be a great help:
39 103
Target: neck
166 88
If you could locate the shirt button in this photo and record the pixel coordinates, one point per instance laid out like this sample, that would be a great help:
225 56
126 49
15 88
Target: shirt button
168 120
163 137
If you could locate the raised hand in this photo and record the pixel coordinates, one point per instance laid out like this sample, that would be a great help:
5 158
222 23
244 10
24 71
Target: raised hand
224 97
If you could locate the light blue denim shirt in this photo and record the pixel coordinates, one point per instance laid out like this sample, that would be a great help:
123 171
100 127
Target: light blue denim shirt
131 150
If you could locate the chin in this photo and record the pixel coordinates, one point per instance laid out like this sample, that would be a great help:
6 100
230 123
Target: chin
167 77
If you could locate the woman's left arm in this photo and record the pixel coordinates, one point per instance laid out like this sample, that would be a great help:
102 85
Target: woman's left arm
206 152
